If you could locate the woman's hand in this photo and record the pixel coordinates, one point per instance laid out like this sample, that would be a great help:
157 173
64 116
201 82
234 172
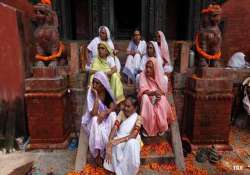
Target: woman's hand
115 52
94 92
115 142
101 116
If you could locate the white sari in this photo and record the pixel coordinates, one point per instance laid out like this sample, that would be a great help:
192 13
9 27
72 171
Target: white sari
133 62
126 155
98 133
93 48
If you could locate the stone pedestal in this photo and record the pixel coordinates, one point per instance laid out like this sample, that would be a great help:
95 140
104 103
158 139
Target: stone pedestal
208 103
47 105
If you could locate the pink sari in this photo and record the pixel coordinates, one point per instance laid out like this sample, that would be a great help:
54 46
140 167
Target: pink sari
164 48
155 116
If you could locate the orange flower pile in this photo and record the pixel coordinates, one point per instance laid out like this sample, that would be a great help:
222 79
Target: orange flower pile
90 170
160 149
171 168
203 53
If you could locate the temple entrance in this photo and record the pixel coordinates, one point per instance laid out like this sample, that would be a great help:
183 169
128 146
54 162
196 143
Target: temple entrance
127 18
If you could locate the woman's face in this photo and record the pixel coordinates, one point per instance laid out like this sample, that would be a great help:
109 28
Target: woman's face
158 37
102 51
97 85
129 108
103 34
150 69
137 36
150 49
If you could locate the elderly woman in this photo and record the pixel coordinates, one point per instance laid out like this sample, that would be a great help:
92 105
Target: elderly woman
105 63
152 51
155 108
164 52
123 149
99 116
104 36
135 51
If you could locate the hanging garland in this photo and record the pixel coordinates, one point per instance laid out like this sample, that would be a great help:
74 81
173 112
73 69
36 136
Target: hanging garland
51 57
203 53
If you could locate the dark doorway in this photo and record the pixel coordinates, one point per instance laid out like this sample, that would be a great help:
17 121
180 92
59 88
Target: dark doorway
80 19
127 17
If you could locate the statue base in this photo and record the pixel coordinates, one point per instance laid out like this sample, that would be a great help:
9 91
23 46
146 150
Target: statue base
208 102
47 105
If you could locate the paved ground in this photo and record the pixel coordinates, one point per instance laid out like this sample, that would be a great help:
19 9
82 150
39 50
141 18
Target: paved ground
62 161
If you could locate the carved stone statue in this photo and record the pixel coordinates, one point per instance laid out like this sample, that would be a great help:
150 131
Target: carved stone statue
48 46
208 40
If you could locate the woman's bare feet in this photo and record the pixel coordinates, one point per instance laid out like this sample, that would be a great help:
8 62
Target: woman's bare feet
99 160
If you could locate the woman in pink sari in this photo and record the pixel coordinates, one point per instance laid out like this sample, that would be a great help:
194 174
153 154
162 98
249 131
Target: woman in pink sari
155 109
164 52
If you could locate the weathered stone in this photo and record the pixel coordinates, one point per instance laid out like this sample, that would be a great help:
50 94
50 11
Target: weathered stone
209 85
74 58
44 72
45 84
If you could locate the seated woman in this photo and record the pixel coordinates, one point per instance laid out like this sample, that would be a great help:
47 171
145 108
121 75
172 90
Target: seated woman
99 117
152 51
164 52
105 63
135 51
123 148
104 36
155 109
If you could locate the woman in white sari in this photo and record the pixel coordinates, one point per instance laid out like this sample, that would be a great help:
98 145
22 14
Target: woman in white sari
123 149
104 36
135 51
99 117
152 51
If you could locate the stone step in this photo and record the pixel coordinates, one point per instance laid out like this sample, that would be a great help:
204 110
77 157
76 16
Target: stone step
149 153
148 159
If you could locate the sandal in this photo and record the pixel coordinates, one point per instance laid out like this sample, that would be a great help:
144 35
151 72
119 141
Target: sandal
201 155
213 155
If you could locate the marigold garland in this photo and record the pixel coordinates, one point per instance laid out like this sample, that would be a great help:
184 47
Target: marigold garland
53 56
203 53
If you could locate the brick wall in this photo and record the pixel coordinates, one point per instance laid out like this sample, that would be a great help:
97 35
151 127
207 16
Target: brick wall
236 15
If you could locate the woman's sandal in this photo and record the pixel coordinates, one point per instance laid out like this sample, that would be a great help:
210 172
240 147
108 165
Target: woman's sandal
201 155
213 155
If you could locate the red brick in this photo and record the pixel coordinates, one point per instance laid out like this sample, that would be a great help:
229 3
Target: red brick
236 16
208 111
48 116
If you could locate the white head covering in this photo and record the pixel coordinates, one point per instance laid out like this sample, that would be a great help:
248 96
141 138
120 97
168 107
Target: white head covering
237 60
107 31
157 54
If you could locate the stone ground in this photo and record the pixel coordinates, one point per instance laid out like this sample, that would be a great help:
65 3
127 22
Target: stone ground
61 162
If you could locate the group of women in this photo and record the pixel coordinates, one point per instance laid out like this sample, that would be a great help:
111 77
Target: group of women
111 121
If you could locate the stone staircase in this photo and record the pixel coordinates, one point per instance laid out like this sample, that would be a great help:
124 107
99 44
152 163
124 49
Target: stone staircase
172 138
